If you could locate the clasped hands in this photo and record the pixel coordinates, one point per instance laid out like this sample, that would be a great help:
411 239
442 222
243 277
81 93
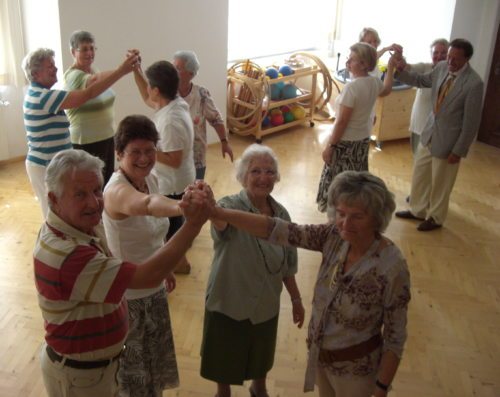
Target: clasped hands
397 59
198 202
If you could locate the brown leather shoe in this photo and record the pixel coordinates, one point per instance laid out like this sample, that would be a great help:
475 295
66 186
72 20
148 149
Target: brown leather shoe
428 225
183 268
407 215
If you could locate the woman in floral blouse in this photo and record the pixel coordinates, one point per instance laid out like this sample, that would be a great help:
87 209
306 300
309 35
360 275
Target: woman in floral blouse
202 109
358 323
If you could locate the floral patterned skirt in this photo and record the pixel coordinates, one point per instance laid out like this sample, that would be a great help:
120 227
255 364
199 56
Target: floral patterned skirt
148 364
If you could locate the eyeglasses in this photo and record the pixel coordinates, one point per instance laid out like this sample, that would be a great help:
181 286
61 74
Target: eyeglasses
86 49
136 153
255 172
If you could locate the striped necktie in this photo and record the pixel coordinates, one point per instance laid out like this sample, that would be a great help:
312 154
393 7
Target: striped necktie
443 91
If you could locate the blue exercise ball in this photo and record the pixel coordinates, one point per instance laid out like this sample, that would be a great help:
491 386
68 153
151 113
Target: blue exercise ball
275 92
266 121
286 70
272 73
289 91
280 84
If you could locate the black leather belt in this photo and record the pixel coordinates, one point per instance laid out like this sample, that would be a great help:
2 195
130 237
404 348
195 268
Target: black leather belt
55 357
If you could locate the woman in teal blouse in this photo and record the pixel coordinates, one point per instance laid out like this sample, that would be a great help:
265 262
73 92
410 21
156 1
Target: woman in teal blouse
245 284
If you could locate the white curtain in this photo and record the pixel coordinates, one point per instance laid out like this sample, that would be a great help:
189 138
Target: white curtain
11 44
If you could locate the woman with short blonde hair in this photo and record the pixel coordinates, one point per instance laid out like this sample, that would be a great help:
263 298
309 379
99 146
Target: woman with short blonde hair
347 146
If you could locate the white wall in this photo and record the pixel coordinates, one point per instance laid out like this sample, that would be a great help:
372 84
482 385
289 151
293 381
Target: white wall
158 28
478 21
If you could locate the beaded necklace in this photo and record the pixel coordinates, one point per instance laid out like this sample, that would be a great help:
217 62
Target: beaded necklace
144 190
265 259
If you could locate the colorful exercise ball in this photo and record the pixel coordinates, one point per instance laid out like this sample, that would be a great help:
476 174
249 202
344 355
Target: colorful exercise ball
266 121
277 119
298 112
276 111
286 70
275 92
289 91
272 73
288 117
285 109
280 84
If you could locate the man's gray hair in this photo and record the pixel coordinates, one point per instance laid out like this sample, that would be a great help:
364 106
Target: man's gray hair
361 188
190 59
67 161
252 152
78 37
32 62
444 42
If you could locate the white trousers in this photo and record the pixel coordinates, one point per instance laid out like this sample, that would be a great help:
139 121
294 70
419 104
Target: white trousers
431 185
36 175
62 381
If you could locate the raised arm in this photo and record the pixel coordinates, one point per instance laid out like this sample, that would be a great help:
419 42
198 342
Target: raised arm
393 47
123 200
142 85
77 98
96 77
389 77
255 224
163 261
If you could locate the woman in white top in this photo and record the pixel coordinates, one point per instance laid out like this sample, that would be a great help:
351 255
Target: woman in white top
347 146
136 221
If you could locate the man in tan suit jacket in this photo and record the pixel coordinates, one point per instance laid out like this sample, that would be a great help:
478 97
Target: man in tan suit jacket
457 93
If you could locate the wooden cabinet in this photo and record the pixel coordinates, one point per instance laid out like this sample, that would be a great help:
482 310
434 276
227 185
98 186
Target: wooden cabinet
393 115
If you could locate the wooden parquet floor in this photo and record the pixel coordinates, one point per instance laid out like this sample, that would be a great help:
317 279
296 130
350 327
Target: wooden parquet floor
453 346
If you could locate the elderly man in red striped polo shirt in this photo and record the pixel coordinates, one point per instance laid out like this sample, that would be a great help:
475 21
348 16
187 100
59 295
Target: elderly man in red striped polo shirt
81 286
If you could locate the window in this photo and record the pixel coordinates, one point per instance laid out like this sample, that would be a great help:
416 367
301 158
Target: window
261 27
11 48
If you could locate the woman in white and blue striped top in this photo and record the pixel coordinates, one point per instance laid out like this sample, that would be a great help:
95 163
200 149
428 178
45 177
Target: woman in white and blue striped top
47 127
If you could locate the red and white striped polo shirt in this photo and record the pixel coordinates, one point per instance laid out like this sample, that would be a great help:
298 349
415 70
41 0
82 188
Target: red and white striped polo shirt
80 291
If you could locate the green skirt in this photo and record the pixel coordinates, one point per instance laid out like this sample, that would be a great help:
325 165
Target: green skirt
234 351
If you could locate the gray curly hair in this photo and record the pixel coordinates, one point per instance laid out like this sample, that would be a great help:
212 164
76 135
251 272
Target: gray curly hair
69 160
190 59
361 188
78 37
32 62
252 152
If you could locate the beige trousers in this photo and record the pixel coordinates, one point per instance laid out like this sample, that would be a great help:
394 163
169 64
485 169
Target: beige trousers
431 185
330 385
61 381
